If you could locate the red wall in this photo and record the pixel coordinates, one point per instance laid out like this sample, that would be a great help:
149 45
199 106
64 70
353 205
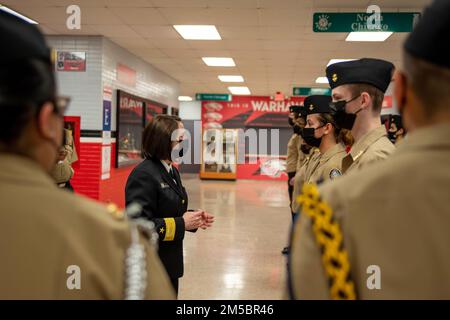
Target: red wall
87 176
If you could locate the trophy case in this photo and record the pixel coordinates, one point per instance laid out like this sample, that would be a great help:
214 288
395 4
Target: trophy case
219 154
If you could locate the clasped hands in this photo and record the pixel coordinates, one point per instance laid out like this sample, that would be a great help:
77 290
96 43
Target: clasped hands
197 219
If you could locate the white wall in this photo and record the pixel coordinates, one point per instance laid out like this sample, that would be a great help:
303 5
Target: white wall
102 56
151 83
84 88
191 110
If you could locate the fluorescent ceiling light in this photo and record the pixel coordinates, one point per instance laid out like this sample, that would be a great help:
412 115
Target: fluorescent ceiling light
219 62
14 13
198 32
231 78
368 36
239 90
184 98
333 61
322 80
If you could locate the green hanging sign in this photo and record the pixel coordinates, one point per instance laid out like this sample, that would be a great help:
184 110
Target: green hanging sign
358 21
213 96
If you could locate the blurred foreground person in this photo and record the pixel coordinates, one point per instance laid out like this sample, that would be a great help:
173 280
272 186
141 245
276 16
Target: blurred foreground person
53 244
382 232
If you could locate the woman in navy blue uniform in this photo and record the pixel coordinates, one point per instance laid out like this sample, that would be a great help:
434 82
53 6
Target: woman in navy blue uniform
156 185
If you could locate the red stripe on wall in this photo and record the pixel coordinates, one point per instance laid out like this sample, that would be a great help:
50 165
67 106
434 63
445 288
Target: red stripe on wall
87 176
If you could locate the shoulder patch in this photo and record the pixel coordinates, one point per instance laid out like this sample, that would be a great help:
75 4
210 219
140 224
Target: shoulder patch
115 212
335 173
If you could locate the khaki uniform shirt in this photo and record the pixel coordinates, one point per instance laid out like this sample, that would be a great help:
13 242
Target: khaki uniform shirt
45 230
329 165
300 176
293 150
372 147
394 215
301 156
62 171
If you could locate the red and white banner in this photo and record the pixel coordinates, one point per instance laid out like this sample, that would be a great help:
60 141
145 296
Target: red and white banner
247 111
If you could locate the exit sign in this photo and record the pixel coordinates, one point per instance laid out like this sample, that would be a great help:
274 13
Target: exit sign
303 91
357 21
213 96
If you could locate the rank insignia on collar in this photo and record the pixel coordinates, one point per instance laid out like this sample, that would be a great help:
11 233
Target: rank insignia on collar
164 185
335 173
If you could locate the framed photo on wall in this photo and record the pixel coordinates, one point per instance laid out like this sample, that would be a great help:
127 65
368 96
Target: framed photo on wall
130 123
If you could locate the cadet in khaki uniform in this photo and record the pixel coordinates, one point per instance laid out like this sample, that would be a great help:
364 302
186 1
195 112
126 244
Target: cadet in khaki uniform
294 155
62 172
358 89
293 148
321 132
311 158
54 245
383 230
306 153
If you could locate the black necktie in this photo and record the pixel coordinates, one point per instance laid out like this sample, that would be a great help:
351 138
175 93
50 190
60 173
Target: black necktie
172 174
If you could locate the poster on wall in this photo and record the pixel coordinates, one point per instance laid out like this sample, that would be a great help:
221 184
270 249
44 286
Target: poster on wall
153 108
130 121
71 61
106 133
247 111
175 111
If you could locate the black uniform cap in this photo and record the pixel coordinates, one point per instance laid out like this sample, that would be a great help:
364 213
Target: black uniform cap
375 72
300 110
317 104
429 39
21 40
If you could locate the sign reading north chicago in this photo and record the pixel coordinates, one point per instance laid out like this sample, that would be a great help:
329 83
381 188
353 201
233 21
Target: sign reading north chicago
213 96
357 21
247 111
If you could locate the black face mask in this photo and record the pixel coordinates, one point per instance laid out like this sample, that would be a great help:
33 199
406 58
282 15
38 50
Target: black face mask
343 119
392 136
291 122
297 129
305 148
308 136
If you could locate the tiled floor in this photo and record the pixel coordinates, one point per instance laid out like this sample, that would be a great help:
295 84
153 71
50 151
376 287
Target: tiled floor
240 256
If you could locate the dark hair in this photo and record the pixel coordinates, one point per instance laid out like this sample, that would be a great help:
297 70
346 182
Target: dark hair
157 136
376 94
429 82
341 135
24 87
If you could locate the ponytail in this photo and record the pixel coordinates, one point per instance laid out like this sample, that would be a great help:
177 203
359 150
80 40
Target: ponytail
343 136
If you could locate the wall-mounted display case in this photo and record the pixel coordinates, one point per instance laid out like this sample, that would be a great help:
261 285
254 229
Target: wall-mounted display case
219 154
